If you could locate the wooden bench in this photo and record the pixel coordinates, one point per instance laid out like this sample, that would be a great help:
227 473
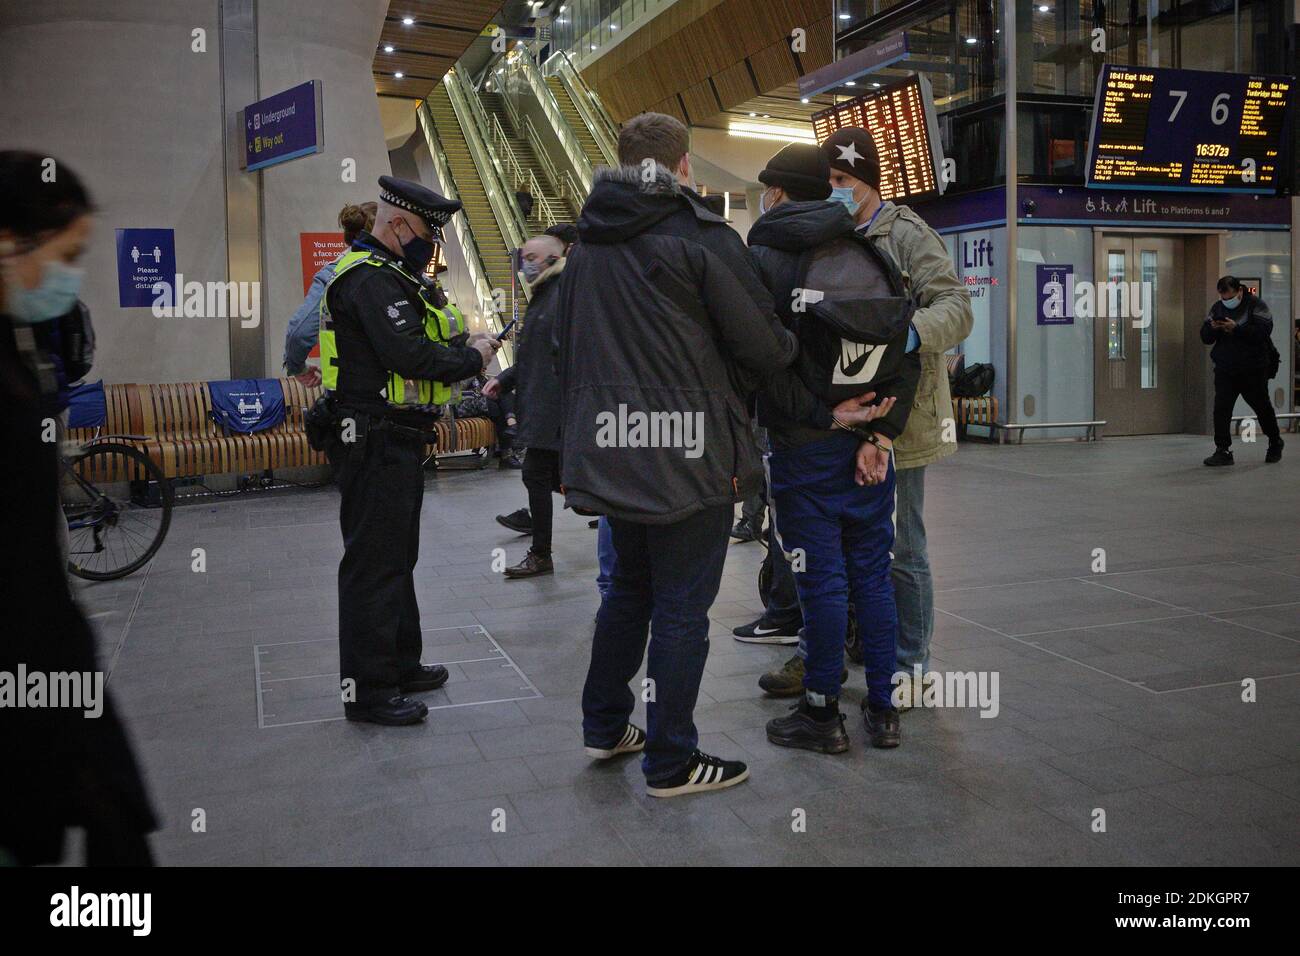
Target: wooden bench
175 428
982 410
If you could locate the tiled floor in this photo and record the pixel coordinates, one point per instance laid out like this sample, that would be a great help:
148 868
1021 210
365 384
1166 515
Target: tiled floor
1120 692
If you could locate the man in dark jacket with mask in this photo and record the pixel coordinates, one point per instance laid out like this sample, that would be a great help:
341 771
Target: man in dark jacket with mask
534 380
1240 327
832 481
664 330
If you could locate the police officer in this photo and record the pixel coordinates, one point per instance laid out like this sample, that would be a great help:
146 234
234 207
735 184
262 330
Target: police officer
390 347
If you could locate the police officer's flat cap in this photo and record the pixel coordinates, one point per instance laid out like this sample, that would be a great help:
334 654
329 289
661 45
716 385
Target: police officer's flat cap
428 205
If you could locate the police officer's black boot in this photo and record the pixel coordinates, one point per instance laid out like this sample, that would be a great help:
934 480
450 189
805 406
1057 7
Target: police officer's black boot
397 711
427 677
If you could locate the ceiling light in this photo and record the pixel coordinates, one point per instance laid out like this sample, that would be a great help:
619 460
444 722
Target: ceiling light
971 40
1043 8
773 131
876 85
613 26
388 49
851 83
398 76
593 46
407 21
753 114
804 100
844 16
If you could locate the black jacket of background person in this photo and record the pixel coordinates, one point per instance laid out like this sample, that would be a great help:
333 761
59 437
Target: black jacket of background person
379 327
661 310
814 245
1246 348
533 377
61 768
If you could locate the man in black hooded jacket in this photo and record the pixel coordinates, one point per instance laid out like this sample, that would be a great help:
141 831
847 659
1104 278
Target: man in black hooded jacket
664 331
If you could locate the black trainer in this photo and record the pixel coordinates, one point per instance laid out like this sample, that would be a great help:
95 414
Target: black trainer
800 729
632 741
397 711
744 531
701 774
1219 458
427 677
519 521
1274 453
767 631
883 725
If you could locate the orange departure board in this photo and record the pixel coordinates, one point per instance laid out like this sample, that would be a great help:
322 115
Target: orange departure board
901 120
1190 130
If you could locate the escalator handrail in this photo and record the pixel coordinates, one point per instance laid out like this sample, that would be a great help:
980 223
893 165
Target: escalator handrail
477 131
460 224
522 65
588 104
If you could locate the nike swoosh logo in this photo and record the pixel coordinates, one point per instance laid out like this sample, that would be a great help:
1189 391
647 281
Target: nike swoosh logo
764 631
853 368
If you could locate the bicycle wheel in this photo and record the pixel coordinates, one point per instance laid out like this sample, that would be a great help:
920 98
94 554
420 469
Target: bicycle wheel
118 507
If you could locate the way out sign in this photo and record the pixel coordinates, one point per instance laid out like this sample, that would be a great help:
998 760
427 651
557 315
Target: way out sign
283 127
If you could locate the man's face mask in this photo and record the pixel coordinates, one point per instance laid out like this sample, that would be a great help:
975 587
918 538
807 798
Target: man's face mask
844 194
532 269
1233 302
55 296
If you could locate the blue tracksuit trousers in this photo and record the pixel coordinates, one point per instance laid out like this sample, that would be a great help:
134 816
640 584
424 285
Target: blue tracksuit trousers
845 532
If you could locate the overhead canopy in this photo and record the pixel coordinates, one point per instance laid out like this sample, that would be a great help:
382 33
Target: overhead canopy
427 47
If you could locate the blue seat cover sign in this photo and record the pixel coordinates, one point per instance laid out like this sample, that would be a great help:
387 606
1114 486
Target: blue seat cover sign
247 405
86 406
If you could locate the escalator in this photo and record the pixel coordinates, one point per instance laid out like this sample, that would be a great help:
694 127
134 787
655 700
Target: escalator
575 121
527 170
492 246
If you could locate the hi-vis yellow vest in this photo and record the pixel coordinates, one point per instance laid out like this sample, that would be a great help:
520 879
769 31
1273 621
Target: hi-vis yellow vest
440 325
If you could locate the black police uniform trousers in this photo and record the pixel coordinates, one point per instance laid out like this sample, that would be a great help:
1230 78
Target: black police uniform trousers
381 482
1253 387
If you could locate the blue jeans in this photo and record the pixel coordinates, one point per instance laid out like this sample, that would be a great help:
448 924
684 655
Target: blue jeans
604 556
845 531
664 581
913 584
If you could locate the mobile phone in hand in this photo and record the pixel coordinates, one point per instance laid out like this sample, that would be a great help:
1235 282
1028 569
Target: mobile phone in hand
506 331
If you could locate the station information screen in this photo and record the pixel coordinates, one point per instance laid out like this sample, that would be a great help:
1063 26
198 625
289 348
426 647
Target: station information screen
1190 130
901 120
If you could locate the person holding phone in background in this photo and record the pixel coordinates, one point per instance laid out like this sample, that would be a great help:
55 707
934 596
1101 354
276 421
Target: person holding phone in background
1240 327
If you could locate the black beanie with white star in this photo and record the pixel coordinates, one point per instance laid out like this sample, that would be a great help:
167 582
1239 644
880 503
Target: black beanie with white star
852 150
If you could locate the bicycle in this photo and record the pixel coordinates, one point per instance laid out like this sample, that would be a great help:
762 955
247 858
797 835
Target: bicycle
118 506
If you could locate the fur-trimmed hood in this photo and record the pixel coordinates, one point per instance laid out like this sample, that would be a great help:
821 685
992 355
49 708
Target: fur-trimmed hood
624 203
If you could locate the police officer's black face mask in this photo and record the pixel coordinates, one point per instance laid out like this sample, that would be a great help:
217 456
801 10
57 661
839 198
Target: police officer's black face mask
416 252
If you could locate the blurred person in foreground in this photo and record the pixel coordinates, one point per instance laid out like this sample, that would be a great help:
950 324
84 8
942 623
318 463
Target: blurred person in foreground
65 766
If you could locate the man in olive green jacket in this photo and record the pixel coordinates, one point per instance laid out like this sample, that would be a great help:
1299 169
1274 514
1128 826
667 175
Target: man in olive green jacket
943 320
